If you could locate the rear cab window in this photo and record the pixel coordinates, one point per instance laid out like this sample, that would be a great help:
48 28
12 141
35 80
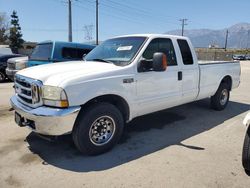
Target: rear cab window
186 54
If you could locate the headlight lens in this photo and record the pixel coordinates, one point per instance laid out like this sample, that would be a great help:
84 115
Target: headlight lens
20 66
54 96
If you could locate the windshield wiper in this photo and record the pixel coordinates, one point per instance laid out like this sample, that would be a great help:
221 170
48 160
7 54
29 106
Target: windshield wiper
101 60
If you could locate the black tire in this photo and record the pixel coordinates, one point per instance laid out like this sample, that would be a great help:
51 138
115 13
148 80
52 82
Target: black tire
89 123
2 77
220 99
246 152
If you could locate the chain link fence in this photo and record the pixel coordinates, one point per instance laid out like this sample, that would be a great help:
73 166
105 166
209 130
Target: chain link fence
215 54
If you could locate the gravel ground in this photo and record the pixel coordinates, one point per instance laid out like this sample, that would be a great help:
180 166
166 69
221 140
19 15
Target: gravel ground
186 146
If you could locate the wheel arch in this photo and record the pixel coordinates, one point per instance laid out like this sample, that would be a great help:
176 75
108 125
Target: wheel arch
227 80
113 99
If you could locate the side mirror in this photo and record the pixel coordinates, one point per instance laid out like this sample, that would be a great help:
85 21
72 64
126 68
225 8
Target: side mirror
159 61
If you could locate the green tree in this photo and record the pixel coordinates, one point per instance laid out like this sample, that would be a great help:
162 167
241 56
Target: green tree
15 37
3 28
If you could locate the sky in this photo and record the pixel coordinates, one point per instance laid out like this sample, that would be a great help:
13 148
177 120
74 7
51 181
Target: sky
48 19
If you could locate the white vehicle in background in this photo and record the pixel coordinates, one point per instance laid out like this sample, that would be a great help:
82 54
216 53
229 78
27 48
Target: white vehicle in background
14 65
246 145
5 50
122 78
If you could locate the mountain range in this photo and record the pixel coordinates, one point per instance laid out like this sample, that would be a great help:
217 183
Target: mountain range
238 36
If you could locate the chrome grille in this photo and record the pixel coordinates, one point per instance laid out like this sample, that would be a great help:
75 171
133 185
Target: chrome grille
11 65
28 91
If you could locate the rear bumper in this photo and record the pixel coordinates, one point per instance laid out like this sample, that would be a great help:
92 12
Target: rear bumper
46 120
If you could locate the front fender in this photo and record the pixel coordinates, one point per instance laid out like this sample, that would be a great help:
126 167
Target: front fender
246 120
81 93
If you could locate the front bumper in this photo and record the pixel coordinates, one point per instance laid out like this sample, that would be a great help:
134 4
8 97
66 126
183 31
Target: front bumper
46 120
10 73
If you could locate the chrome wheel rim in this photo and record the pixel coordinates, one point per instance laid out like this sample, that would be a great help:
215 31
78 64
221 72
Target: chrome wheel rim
224 97
102 130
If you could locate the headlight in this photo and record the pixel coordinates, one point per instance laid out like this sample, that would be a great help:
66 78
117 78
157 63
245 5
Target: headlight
20 66
54 96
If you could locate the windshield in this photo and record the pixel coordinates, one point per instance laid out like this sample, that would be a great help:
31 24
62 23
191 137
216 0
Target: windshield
42 52
119 51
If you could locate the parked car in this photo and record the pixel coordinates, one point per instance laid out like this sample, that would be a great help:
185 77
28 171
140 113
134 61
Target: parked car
14 65
121 79
246 145
247 57
3 65
238 57
56 51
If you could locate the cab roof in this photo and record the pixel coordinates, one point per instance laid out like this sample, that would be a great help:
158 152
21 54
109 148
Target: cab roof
153 36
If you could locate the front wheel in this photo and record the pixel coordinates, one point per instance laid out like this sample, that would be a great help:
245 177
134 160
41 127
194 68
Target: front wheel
220 99
98 128
246 152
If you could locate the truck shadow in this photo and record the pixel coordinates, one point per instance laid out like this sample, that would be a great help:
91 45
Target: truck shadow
143 136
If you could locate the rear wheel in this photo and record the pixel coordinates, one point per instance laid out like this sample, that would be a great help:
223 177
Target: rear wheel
98 128
246 152
220 100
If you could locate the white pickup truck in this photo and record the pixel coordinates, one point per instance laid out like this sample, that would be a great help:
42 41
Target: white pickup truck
122 78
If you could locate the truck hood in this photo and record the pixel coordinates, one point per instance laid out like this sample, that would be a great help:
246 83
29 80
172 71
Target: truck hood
57 73
17 59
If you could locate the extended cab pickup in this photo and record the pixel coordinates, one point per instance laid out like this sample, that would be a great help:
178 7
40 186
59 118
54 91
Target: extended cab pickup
122 78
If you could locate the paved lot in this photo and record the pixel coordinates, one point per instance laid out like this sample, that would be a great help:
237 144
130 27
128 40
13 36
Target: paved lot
186 146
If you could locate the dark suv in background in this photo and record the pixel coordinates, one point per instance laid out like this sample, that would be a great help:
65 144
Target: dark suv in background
3 65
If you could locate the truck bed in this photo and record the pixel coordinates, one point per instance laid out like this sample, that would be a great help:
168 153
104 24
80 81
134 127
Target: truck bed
212 72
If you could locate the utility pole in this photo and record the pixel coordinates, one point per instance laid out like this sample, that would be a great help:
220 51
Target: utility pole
70 22
183 23
248 33
97 29
226 40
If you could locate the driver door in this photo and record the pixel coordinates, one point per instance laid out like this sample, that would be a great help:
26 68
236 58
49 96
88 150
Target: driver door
158 90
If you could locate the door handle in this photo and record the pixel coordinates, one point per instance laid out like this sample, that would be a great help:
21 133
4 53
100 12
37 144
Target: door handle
180 75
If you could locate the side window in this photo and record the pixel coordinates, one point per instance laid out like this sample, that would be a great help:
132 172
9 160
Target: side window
186 54
161 45
69 53
81 52
73 53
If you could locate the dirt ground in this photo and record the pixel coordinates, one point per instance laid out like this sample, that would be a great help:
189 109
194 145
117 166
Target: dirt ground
186 146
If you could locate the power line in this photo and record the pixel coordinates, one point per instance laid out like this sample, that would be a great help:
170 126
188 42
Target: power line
139 10
110 15
142 14
130 7
121 11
